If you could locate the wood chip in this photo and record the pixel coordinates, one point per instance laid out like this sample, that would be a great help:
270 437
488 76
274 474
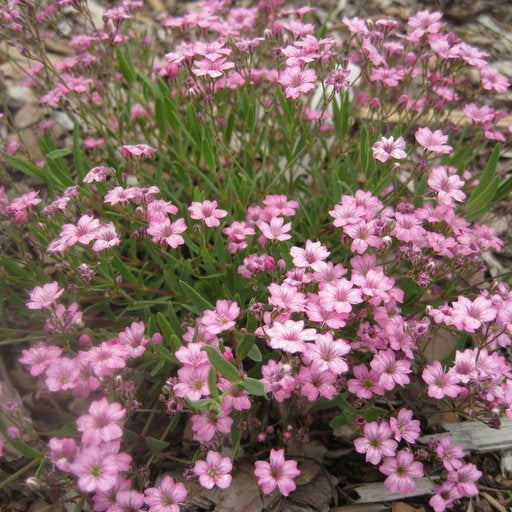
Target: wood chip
478 437
495 503
376 492
374 507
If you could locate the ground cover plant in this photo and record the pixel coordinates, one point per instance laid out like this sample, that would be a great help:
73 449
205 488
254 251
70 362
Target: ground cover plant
253 233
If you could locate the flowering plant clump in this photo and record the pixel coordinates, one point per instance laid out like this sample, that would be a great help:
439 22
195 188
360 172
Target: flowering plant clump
239 231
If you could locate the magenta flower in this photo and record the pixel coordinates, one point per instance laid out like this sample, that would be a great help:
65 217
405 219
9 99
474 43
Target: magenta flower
384 149
102 422
440 384
43 297
166 498
404 427
392 371
278 473
137 151
297 81
377 442
207 211
223 318
214 471
434 142
401 471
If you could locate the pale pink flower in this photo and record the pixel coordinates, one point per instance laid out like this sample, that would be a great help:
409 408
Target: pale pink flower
137 151
440 384
43 297
339 296
212 68
276 229
434 142
278 473
424 22
492 79
63 452
61 375
207 211
166 498
286 297
84 231
445 495
107 357
119 195
277 380
464 479
404 427
157 210
191 354
223 318
102 423
392 371
279 205
470 315
366 382
384 149
289 336
106 237
408 227
363 236
128 501
297 81
40 357
309 257
328 353
132 337
376 443
168 233
97 174
214 471
401 471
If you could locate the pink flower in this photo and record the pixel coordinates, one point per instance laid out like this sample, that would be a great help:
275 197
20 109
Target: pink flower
366 382
464 479
278 473
214 471
449 454
193 382
384 149
128 501
63 452
157 210
166 498
223 318
107 357
424 22
43 297
207 211
434 142
376 443
133 339
289 336
286 297
470 315
61 375
391 371
404 427
137 151
328 353
84 231
310 256
317 380
297 81
276 229
492 79
168 233
102 422
447 186
212 68
277 380
277 205
339 296
106 237
205 425
401 471
96 471
363 236
408 227
119 195
444 497
40 357
440 384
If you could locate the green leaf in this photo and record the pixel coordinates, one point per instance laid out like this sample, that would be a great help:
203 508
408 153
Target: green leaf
78 155
212 383
255 354
254 386
200 302
25 167
235 441
167 332
487 175
225 368
200 405
155 444
125 65
478 204
365 146
58 153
